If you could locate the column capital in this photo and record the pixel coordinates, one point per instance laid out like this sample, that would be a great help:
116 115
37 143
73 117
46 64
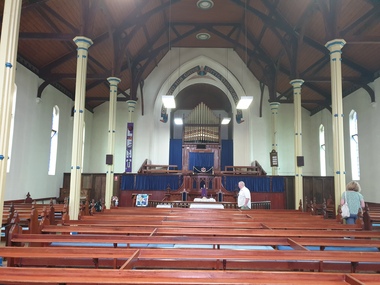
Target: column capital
131 105
113 80
296 82
335 45
274 104
83 42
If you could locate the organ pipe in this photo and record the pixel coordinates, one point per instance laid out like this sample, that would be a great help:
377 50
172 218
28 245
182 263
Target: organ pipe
201 126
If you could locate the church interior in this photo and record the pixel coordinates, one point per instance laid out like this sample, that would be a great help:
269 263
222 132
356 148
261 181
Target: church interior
131 132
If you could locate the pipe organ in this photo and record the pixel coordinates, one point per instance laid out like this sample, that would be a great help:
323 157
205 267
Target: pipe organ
201 126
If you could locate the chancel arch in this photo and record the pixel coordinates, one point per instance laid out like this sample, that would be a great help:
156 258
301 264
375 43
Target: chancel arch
201 71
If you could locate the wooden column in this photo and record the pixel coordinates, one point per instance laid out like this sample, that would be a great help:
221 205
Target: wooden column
83 44
297 83
113 81
8 54
335 47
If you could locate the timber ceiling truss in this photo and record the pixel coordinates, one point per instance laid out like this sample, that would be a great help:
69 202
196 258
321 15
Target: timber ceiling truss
278 40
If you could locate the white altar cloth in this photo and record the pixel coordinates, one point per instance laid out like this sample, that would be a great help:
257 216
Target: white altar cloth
206 206
204 200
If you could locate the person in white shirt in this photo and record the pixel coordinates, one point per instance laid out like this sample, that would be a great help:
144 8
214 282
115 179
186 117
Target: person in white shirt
244 198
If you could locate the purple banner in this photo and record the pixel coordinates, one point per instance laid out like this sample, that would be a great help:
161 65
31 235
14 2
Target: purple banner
128 153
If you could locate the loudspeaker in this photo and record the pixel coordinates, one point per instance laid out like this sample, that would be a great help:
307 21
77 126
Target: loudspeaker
300 161
109 159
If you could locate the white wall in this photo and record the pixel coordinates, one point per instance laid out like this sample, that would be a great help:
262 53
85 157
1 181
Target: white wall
369 139
252 138
31 140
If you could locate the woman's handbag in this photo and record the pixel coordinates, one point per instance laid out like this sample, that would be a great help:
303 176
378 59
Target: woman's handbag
344 208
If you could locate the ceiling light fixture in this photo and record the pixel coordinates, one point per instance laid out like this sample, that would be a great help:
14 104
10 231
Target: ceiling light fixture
168 101
203 36
226 121
205 4
244 102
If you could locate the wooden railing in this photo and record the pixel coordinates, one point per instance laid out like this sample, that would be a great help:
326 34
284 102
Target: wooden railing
157 168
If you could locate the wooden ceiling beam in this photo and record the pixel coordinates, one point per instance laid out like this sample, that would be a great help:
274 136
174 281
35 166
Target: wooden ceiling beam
60 18
60 76
105 99
362 40
260 53
142 18
369 23
353 25
28 5
47 68
317 66
284 26
146 53
362 70
46 36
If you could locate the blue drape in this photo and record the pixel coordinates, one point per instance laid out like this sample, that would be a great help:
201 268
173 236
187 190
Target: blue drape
127 182
175 153
227 154
278 184
150 182
254 184
201 159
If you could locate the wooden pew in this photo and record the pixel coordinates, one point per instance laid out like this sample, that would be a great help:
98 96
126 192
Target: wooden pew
229 219
371 216
198 231
213 241
222 259
165 277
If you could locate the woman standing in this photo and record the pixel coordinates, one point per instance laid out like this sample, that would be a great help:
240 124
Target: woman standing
355 201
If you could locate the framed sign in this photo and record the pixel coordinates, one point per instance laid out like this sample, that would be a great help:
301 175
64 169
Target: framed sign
273 158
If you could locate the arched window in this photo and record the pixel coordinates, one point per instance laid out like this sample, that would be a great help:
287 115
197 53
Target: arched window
12 128
322 150
54 140
354 145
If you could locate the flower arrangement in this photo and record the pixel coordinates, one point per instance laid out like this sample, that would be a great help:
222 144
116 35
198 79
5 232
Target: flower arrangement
115 200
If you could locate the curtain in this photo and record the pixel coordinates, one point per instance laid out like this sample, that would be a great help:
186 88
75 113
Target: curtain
150 182
227 154
158 182
254 184
201 159
278 184
175 153
127 182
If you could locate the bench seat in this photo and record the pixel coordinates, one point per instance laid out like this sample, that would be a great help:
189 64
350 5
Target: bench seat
164 277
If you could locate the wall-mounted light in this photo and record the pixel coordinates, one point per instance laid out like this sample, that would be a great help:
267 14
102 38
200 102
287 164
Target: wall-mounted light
168 101
226 121
244 102
178 121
